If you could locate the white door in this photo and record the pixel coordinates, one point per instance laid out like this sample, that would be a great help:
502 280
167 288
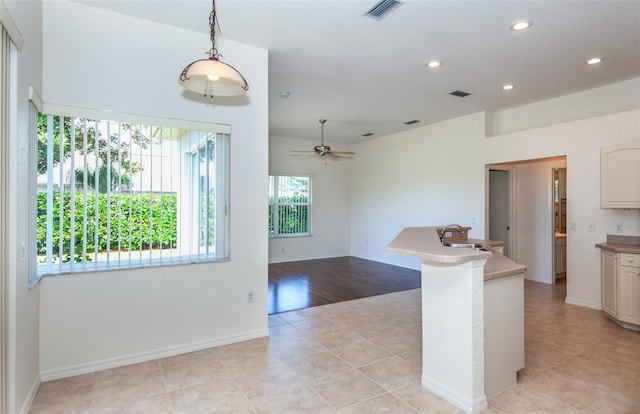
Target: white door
499 207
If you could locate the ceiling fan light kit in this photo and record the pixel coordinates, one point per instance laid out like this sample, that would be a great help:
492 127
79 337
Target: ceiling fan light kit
211 76
325 150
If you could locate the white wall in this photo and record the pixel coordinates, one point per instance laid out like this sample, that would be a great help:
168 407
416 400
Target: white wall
23 363
330 201
435 175
424 177
99 59
580 141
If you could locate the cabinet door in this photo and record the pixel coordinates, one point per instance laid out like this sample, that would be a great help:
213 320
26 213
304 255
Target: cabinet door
563 259
620 176
630 294
609 272
560 258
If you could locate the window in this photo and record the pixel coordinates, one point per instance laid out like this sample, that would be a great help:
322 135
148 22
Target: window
115 195
289 206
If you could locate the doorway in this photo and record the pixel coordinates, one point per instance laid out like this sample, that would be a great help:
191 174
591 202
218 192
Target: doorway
500 205
528 186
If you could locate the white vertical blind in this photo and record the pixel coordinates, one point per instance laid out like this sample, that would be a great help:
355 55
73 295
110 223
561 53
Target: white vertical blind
112 201
289 206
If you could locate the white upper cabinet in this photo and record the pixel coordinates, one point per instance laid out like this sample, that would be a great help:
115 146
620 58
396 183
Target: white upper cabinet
620 176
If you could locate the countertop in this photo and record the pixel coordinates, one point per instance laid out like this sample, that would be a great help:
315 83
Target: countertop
621 244
424 243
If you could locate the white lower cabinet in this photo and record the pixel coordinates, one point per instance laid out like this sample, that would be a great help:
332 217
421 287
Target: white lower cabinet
621 287
629 288
560 256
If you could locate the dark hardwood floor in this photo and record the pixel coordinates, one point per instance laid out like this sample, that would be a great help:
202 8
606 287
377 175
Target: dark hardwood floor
307 283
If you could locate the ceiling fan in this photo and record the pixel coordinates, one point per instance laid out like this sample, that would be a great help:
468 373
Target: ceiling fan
323 150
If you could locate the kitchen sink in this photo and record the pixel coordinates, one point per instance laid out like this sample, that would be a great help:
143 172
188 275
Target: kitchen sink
473 246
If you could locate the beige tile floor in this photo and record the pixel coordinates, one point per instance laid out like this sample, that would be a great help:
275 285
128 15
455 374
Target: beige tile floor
363 356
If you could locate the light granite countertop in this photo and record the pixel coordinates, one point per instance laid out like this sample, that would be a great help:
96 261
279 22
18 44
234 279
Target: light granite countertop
424 243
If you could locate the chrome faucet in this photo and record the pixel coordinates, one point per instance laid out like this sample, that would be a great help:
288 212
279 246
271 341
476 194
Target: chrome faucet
447 228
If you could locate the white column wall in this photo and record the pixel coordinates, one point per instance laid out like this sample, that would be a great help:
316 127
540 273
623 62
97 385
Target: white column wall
329 201
23 318
100 59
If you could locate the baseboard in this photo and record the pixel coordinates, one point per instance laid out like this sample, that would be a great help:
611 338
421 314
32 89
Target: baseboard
584 303
417 266
452 396
312 257
538 279
625 325
31 395
359 256
90 367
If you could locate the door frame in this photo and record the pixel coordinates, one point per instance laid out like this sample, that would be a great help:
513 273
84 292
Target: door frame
512 231
553 231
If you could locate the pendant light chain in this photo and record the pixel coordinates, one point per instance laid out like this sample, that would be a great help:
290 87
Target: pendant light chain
213 20
212 77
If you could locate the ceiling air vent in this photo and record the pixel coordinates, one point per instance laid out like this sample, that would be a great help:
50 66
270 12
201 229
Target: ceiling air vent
459 94
382 9
415 121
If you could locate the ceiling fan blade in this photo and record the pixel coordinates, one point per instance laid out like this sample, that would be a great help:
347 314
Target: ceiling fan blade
309 152
332 155
344 152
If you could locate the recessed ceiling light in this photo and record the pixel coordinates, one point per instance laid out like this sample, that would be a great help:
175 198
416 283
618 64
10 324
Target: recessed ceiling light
521 25
434 64
508 86
594 61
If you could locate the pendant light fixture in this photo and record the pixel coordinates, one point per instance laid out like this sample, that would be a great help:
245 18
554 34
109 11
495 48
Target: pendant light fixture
211 76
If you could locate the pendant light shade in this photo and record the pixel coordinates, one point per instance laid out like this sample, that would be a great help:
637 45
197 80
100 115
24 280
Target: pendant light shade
212 77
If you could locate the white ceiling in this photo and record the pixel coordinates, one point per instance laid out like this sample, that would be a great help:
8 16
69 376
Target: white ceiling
365 75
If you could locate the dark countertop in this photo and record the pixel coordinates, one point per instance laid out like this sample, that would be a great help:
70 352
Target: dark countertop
621 244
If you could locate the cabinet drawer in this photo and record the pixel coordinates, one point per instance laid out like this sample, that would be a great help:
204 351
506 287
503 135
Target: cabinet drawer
628 259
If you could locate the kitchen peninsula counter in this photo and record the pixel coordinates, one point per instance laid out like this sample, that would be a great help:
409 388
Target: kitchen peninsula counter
424 243
472 317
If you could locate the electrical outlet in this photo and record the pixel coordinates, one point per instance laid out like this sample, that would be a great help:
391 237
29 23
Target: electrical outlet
619 228
572 226
591 227
250 297
282 250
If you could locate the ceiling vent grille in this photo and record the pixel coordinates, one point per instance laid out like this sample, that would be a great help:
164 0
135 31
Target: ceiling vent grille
382 9
459 94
